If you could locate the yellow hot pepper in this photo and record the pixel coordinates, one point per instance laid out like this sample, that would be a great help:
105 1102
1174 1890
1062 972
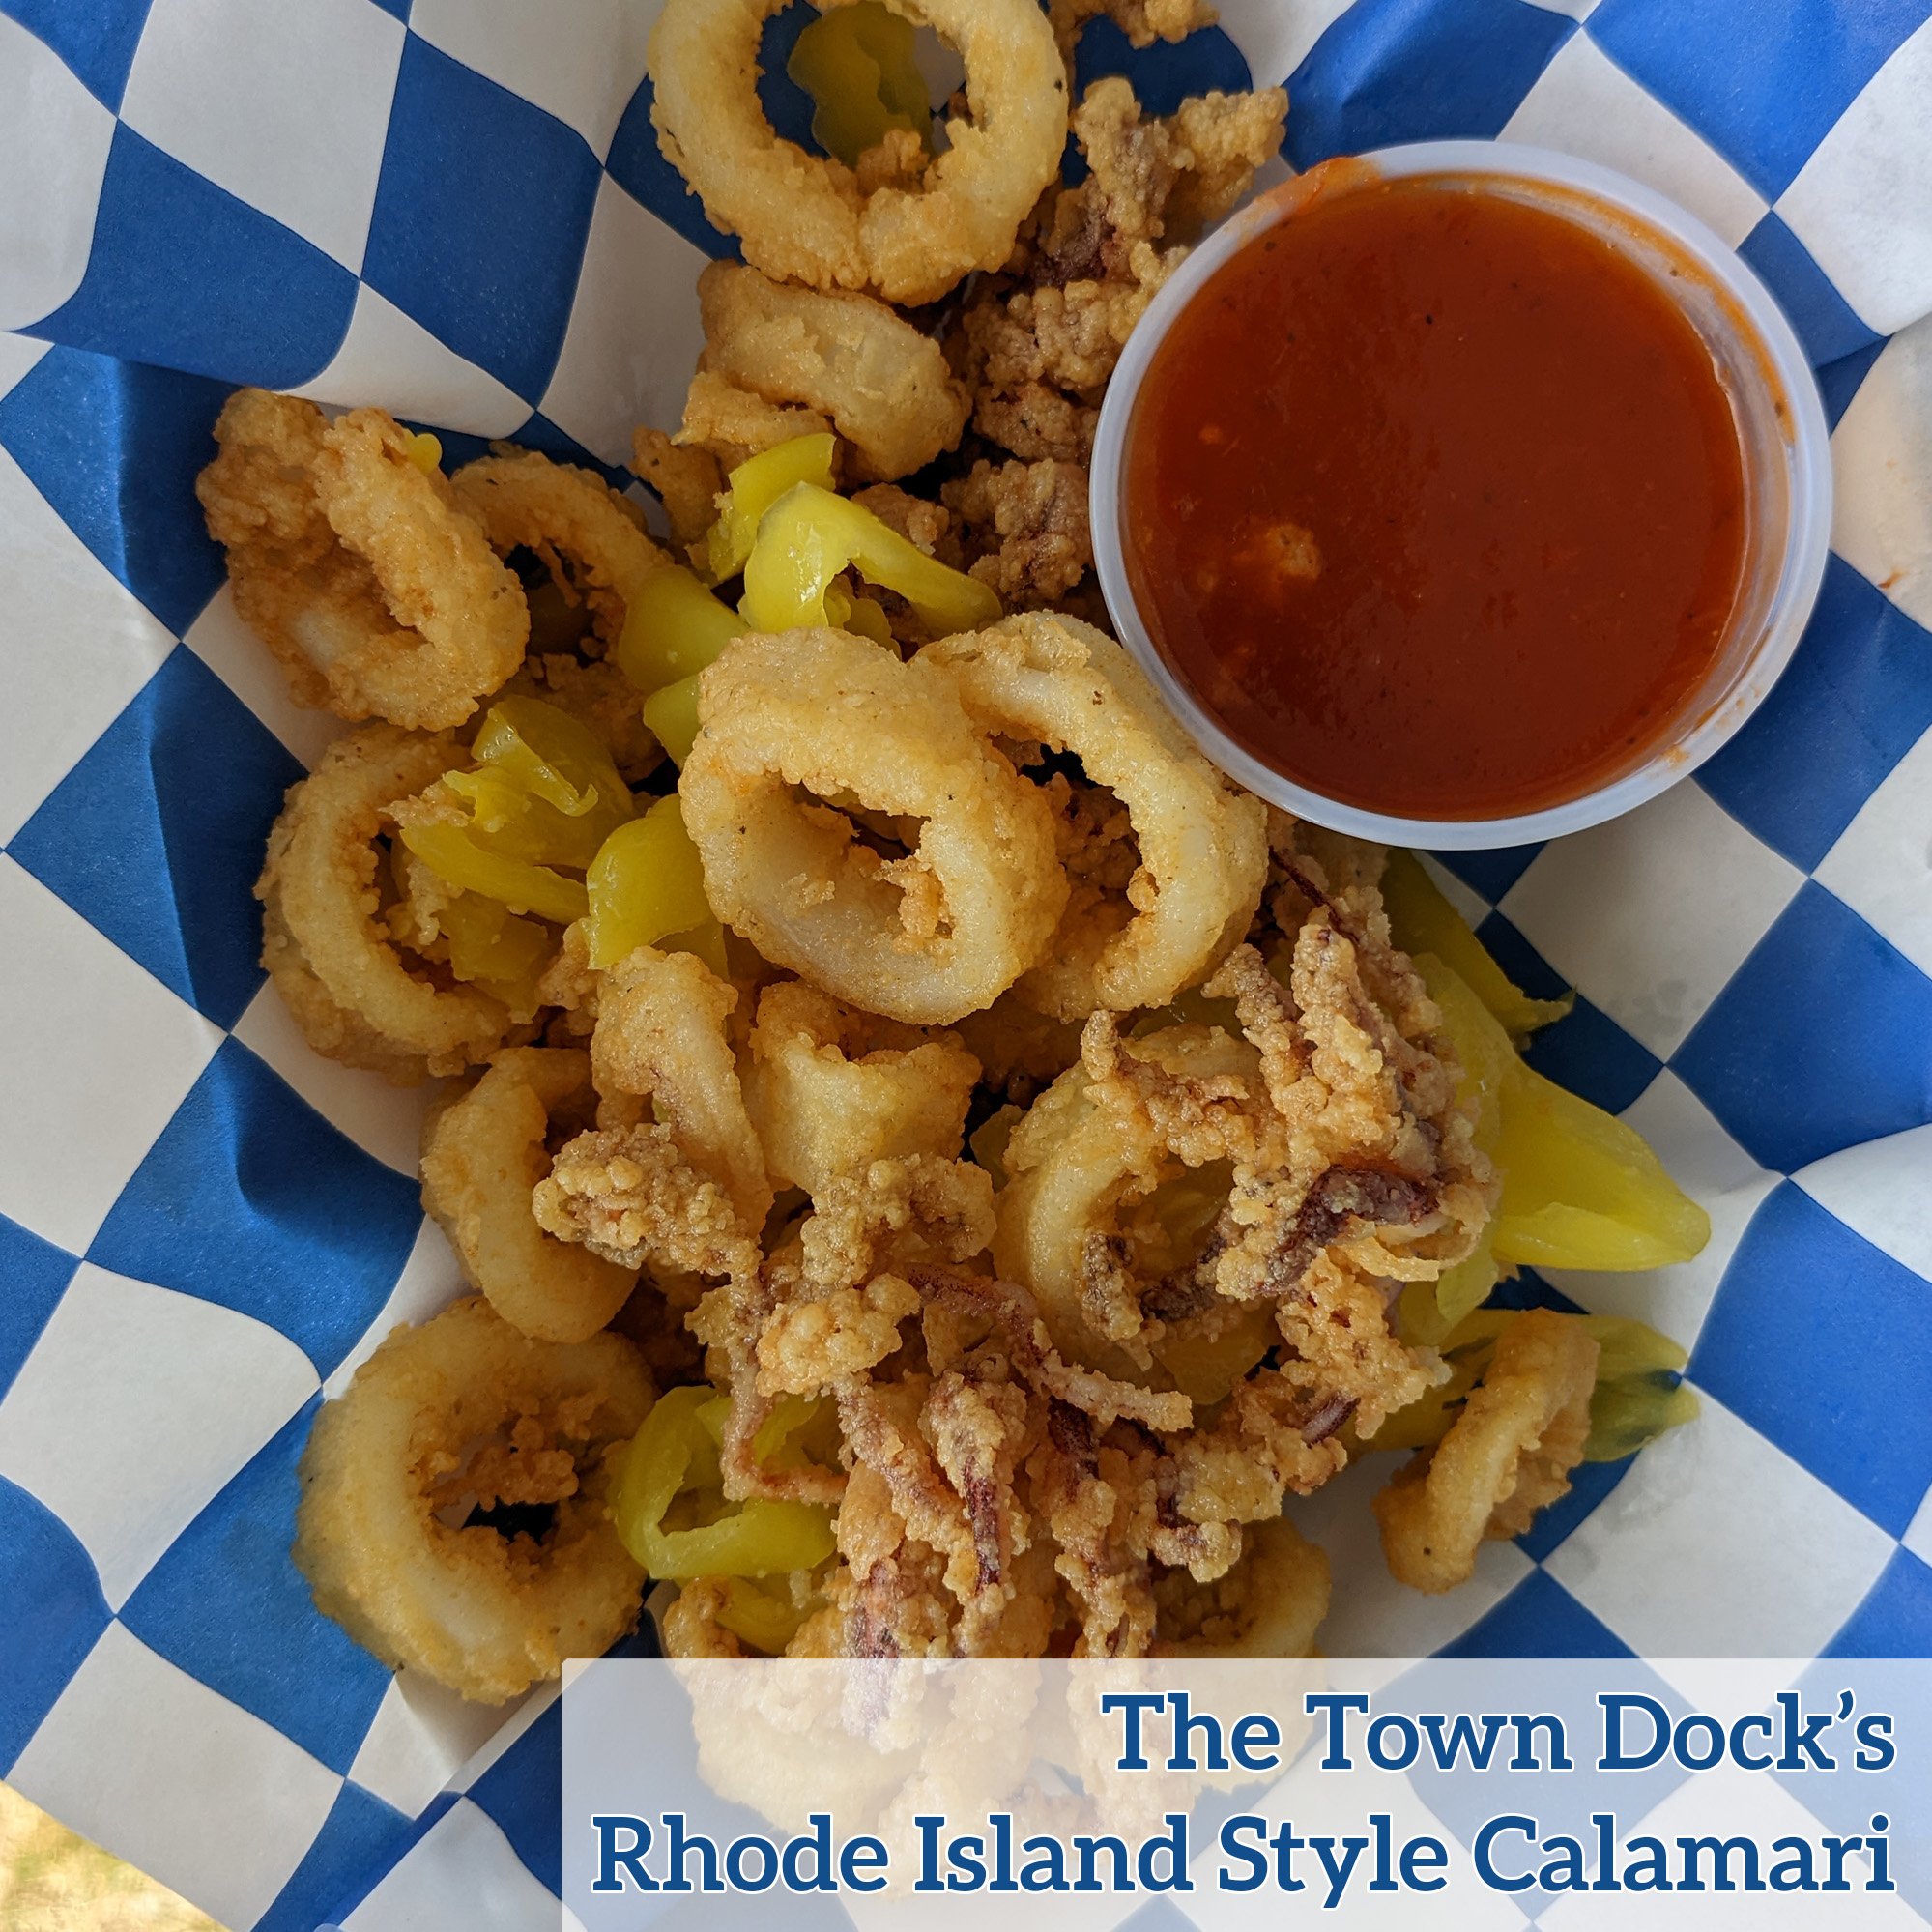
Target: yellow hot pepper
1580 1188
453 853
766 1623
491 947
809 535
644 883
426 451
754 486
860 65
673 628
671 712
673 1456
573 797
1422 920
863 616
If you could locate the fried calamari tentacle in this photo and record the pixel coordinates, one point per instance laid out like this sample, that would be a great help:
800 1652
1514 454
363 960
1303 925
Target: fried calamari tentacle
892 1212
1202 843
355 997
806 218
803 728
808 1344
459 1416
881 384
831 1089
1036 1361
482 1155
587 536
357 566
661 1039
1024 528
1507 1455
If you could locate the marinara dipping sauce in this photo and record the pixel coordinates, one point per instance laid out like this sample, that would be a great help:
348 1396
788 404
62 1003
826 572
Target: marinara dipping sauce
1435 500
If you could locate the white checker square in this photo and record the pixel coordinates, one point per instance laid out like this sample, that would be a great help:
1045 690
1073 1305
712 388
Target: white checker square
1918 1539
383 1120
170 1775
634 331
1584 105
421 1734
80 645
1881 473
99 1057
1731 1802
1371 1614
429 1282
580 62
1881 1191
285 106
1690 1554
390 361
54 138
242 661
462 1875
1649 915
1275 36
1882 864
135 1407
1717 1174
17 355
1862 204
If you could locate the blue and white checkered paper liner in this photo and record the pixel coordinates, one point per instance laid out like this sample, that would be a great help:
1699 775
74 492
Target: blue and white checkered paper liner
456 208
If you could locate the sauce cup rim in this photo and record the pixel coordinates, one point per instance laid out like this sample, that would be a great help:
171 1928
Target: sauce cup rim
1799 559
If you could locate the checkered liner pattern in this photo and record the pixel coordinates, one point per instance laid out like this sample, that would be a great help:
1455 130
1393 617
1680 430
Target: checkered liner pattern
456 208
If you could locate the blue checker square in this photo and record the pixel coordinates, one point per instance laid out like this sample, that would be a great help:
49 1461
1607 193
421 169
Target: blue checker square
251 1200
638 167
1895 1619
156 837
1788 1346
1492 871
228 1604
1587 1051
1857 697
481 214
186 274
360 1839
1538 1618
97 41
1763 84
1827 326
51 1614
115 447
518 1793
1822 1040
1391 71
1166 73
34 1275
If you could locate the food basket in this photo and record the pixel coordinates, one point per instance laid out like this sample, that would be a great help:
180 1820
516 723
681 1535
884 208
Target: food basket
457 209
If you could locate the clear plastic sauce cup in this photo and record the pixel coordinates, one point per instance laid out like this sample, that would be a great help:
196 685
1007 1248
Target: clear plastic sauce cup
1782 436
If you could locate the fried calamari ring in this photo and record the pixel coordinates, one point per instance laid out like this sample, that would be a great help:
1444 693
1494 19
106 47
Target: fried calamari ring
803 217
883 383
924 938
1074 1179
325 944
586 534
830 1089
660 1040
1203 844
481 1156
1270 1604
1507 1455
464 1412
357 567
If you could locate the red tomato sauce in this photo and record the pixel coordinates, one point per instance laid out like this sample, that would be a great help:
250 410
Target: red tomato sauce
1436 502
